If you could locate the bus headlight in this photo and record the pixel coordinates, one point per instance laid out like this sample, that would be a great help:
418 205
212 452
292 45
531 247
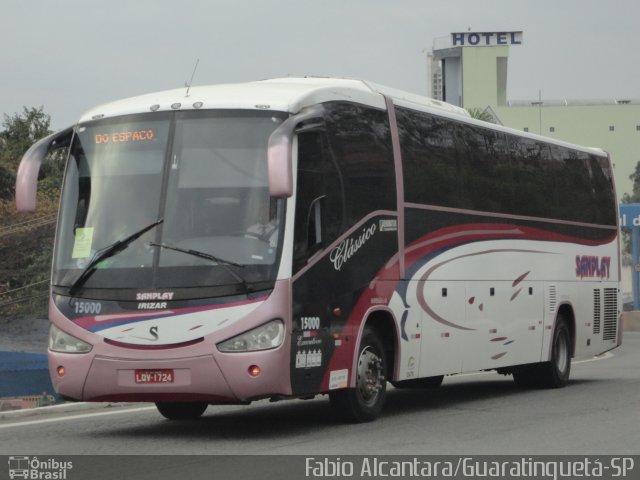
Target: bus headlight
267 336
62 342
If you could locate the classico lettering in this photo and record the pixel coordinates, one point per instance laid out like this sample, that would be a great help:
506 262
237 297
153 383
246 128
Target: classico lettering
348 248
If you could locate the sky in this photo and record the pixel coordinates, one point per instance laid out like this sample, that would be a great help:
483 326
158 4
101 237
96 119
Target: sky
71 55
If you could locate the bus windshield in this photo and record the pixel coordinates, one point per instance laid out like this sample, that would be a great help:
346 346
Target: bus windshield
198 179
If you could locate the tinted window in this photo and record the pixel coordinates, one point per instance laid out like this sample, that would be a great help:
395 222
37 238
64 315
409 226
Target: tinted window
345 171
458 165
320 201
360 141
430 159
484 168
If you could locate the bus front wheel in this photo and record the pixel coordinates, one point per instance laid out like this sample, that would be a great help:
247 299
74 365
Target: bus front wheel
364 402
181 410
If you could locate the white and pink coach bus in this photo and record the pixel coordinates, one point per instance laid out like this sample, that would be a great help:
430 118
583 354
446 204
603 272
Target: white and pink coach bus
302 236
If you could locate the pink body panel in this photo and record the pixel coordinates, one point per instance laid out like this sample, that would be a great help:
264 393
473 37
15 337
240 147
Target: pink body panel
201 371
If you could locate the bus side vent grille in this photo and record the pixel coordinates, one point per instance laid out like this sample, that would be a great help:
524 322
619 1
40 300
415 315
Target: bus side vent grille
610 314
553 299
596 310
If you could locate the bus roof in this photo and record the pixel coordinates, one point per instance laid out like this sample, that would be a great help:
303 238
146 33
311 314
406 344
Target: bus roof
289 94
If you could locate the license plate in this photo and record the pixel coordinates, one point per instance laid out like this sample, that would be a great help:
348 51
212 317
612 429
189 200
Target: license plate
154 376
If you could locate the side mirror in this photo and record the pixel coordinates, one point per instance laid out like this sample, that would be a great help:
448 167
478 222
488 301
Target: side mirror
27 177
279 152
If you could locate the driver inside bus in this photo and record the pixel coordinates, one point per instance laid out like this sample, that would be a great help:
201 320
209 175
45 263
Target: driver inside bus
265 226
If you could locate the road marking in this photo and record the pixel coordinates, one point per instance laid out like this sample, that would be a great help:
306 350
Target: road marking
75 417
604 356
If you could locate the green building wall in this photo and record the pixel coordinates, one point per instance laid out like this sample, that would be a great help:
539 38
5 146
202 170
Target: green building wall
484 76
611 126
614 128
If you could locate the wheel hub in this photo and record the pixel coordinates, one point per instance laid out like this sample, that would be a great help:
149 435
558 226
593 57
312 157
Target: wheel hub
562 354
370 375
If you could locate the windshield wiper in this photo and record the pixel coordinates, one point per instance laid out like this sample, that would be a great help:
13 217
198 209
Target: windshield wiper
207 256
109 251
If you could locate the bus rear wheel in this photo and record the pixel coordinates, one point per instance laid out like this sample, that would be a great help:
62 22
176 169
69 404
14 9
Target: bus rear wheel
364 402
181 410
554 373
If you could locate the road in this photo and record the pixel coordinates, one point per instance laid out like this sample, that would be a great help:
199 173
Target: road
598 413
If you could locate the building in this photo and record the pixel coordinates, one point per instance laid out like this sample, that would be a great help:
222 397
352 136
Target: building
471 68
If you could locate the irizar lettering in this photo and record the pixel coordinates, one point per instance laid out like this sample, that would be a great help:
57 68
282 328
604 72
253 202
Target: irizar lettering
348 248
151 305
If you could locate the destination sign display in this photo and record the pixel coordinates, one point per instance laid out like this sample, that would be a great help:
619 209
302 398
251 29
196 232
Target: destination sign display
126 136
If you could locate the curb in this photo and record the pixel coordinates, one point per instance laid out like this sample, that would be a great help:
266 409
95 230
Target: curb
63 408
631 321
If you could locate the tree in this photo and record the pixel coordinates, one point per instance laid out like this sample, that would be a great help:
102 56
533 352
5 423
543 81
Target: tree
25 252
633 197
480 114
19 133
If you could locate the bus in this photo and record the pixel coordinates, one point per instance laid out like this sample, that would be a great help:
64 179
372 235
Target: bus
294 237
18 467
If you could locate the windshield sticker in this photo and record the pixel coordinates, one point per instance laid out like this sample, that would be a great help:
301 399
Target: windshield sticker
390 225
338 379
82 243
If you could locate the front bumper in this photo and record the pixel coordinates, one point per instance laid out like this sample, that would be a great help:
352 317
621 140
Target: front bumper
202 377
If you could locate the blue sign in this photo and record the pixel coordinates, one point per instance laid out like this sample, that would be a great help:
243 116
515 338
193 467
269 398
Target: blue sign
630 215
630 218
486 39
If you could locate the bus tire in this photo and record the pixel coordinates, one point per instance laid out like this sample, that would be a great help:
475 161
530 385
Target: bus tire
525 376
420 383
181 410
555 373
364 402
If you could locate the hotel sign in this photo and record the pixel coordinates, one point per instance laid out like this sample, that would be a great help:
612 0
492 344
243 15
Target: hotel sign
486 39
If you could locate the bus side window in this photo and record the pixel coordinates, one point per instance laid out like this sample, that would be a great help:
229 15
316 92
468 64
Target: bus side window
319 199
